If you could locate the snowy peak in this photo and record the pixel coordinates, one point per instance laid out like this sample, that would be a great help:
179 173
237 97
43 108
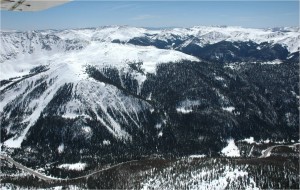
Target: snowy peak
287 36
102 34
13 43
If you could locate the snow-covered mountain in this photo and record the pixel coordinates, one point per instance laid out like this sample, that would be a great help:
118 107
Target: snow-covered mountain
62 60
288 37
13 43
122 92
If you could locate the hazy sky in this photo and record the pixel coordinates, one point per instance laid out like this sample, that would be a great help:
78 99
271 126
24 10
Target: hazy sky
79 14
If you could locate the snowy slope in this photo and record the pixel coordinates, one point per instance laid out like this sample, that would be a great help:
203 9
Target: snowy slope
13 43
31 95
231 150
289 37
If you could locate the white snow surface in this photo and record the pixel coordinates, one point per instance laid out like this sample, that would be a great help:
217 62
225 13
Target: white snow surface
106 142
102 54
187 105
231 150
61 148
197 156
76 166
14 142
274 62
229 109
249 140
183 110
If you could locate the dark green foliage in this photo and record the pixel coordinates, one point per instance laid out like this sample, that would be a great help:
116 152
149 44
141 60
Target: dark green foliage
220 52
62 96
268 173
38 69
137 66
224 52
255 114
130 85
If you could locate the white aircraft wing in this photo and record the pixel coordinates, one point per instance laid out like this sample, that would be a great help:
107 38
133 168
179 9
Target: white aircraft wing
29 5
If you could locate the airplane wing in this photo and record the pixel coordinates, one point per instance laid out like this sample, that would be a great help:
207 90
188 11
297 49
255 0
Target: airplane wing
29 5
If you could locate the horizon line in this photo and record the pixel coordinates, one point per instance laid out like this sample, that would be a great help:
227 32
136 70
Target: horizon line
147 27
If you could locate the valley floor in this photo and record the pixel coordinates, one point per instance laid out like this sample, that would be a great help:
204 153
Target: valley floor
276 168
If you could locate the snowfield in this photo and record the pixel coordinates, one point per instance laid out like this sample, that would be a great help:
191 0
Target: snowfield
76 166
231 150
101 54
